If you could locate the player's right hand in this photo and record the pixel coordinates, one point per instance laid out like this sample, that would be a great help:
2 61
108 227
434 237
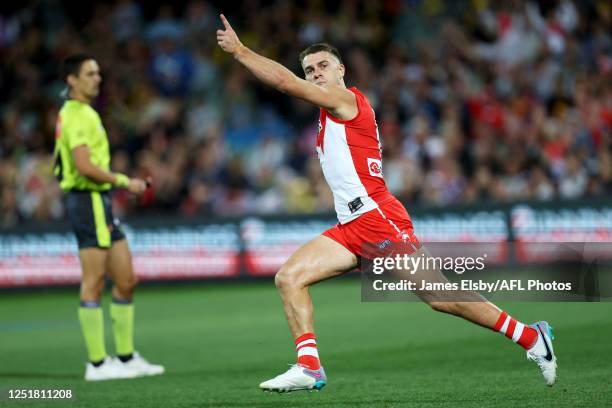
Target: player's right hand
137 186
228 39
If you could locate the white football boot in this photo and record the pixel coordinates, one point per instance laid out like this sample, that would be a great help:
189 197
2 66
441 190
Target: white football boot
139 367
542 352
108 370
295 379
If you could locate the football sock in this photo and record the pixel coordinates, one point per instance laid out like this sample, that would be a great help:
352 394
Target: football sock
306 347
91 319
122 315
519 333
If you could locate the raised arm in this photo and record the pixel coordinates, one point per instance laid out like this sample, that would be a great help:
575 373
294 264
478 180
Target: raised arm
337 100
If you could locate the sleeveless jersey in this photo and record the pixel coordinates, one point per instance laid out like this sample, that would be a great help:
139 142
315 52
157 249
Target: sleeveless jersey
350 155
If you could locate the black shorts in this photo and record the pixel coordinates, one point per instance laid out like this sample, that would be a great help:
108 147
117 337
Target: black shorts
91 216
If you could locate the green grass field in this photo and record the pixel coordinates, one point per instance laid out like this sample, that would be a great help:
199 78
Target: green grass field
219 341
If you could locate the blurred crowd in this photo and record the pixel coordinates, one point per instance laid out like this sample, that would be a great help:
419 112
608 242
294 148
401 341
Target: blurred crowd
476 101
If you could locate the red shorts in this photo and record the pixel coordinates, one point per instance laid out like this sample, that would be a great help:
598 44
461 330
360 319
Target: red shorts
373 231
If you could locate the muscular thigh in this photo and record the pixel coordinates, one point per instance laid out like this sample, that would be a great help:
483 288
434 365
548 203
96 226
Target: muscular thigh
93 263
120 261
93 267
317 260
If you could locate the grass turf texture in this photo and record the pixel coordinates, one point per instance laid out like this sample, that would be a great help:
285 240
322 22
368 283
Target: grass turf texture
218 342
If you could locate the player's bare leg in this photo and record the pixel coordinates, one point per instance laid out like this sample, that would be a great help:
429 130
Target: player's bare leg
472 306
119 266
319 259
469 305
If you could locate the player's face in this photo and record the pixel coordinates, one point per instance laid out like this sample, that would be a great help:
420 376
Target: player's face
88 80
323 68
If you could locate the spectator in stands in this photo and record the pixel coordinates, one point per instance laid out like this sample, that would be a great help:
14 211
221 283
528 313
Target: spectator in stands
460 89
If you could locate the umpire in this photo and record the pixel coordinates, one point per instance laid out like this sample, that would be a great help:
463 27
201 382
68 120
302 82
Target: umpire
82 166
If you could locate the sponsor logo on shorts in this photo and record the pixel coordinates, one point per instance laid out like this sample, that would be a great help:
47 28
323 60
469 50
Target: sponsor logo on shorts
384 244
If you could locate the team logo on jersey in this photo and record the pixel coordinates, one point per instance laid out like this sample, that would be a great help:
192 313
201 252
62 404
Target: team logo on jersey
375 167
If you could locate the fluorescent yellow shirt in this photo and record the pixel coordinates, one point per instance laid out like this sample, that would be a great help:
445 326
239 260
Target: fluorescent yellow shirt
79 124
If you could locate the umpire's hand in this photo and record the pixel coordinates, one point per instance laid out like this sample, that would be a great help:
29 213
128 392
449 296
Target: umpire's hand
138 186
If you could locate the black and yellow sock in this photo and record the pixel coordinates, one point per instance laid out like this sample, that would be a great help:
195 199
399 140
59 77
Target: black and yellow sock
122 314
91 318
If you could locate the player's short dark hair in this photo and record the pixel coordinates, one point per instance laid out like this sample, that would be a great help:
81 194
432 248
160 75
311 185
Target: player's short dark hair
318 47
72 64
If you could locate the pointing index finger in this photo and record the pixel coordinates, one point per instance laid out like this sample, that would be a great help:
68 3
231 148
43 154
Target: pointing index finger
225 22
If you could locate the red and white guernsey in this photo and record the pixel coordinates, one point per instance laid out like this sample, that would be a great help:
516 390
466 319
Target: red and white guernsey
350 156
